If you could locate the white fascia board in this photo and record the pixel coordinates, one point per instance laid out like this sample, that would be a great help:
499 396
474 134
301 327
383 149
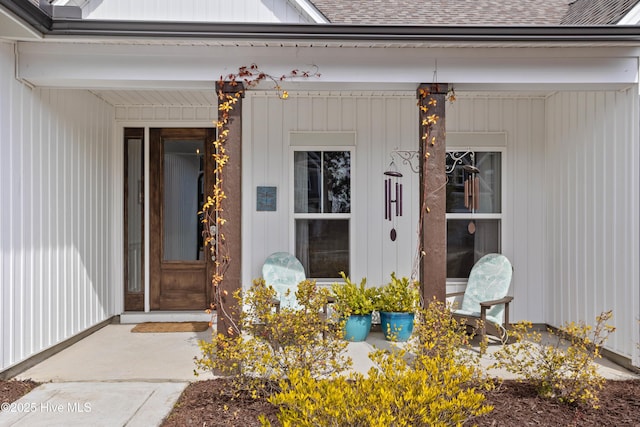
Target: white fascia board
632 17
310 10
13 28
129 66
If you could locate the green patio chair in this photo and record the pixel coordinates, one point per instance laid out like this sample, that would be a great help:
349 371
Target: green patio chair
283 271
485 305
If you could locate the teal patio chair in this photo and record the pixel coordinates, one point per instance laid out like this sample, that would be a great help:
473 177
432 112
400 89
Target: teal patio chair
283 271
485 305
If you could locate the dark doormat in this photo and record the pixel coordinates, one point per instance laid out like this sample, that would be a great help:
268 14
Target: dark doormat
171 327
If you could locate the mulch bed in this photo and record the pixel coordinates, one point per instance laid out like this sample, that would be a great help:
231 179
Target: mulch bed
208 403
12 390
516 404
211 403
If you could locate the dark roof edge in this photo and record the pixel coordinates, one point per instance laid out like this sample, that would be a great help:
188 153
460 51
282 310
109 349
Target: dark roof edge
29 13
328 32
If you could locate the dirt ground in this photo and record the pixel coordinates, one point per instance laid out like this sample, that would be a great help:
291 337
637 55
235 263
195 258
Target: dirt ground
208 403
13 390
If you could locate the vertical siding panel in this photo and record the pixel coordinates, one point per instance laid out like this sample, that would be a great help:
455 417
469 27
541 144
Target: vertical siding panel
334 114
260 115
42 135
370 244
348 114
318 114
593 258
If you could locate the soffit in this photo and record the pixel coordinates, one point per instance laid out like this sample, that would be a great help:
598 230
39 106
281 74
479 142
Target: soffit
179 98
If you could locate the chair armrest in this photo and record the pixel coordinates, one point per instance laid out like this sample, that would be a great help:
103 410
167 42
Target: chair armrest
454 294
276 303
491 303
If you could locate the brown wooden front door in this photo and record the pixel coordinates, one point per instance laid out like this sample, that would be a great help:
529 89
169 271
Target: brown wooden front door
180 168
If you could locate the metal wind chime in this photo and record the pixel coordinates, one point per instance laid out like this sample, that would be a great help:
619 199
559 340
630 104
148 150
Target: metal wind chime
392 183
471 187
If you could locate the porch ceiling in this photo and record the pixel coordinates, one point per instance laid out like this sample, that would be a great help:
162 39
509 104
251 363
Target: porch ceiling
196 68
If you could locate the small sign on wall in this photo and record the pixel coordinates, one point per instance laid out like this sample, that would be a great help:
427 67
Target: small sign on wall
266 198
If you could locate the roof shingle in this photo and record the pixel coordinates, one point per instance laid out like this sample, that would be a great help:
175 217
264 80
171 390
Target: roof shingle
474 12
597 12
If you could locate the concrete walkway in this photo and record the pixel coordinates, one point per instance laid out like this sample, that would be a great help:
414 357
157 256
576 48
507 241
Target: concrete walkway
118 378
111 378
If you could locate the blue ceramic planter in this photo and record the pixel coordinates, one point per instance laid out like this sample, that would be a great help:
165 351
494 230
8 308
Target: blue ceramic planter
357 327
396 326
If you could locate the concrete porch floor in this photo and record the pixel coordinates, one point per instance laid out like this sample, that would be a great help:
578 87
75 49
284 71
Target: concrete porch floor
130 379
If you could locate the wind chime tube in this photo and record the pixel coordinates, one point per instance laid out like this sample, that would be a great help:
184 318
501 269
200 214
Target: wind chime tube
476 193
397 207
466 193
400 200
387 197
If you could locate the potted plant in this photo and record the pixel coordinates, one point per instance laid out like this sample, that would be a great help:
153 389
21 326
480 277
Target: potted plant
397 303
354 304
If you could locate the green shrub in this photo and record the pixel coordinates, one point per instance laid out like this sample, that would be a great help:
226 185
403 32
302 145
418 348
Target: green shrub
399 295
564 368
353 299
429 385
274 344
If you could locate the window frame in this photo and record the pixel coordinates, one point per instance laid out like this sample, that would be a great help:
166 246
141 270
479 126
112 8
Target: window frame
480 216
320 215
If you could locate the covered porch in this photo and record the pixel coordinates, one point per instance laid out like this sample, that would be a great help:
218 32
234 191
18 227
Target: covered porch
562 116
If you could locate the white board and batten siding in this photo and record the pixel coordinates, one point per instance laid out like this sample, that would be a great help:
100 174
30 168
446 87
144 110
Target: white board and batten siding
592 254
541 233
377 124
56 223
196 10
381 124
517 122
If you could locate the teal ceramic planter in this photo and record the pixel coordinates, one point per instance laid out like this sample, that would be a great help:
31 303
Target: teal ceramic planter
357 327
396 326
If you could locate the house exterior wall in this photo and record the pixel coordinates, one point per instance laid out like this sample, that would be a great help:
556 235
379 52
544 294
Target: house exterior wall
593 213
522 120
56 225
195 10
381 123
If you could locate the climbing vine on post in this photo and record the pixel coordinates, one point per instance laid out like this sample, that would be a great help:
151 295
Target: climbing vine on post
430 260
230 89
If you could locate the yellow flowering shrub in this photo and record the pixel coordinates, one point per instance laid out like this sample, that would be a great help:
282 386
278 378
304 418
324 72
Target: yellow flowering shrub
563 368
274 344
425 384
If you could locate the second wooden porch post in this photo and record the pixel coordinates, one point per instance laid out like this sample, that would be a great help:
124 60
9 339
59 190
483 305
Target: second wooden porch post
433 268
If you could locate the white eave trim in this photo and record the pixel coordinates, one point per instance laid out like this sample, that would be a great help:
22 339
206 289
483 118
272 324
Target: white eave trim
632 17
310 10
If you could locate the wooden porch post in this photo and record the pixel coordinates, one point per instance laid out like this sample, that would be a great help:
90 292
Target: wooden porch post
232 185
433 268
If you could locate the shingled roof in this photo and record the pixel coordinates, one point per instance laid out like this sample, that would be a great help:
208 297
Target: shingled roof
597 12
474 12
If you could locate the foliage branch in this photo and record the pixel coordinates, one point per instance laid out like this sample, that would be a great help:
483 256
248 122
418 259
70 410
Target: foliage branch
353 299
230 89
562 368
429 382
275 343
